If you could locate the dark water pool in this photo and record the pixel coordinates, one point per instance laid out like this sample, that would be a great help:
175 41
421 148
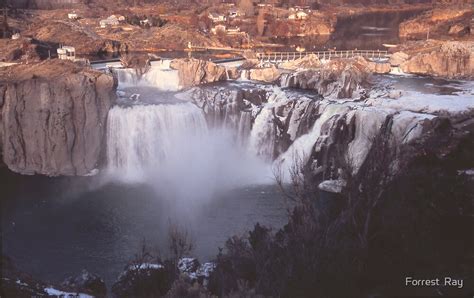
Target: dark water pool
53 228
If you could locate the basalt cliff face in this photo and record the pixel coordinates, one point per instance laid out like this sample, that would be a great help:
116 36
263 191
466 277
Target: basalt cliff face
332 137
448 59
53 117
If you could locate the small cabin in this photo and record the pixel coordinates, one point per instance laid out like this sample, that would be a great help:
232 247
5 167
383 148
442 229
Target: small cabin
66 53
217 17
72 16
299 15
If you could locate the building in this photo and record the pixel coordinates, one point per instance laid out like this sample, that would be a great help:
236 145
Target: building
67 53
299 15
234 13
72 16
233 30
264 5
217 17
113 20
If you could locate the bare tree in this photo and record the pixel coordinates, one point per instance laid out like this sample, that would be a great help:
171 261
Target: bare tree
179 241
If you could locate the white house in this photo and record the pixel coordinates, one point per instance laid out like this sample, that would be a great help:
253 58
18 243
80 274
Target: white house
299 15
72 16
217 17
66 53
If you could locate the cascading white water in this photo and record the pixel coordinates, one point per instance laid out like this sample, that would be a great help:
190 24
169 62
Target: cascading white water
300 150
159 75
143 137
245 126
170 147
262 136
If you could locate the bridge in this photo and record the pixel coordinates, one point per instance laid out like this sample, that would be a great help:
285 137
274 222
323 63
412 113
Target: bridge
192 47
277 57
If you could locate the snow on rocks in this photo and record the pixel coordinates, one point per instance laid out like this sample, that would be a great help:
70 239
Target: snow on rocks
61 294
333 186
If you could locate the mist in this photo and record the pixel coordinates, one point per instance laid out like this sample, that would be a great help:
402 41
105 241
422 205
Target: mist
170 148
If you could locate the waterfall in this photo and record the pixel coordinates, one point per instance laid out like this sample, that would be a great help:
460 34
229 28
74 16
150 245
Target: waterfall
301 149
227 77
244 75
143 137
262 136
285 80
245 126
170 147
159 76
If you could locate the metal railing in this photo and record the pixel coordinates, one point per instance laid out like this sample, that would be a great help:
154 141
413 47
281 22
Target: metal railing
288 56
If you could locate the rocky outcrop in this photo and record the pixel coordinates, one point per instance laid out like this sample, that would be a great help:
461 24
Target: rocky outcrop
87 283
397 58
437 22
264 119
15 283
194 72
336 79
308 62
451 59
53 117
379 68
267 74
143 280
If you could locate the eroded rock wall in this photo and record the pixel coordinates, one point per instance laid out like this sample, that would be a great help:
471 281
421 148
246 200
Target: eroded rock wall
53 118
451 59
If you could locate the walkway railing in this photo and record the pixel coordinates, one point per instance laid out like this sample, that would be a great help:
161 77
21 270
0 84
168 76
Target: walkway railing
276 57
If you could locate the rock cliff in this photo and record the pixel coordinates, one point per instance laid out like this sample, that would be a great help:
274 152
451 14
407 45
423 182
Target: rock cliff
337 78
437 22
331 136
53 117
448 59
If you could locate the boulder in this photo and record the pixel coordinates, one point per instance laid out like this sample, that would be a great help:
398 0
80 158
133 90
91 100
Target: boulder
193 72
86 283
268 74
53 117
